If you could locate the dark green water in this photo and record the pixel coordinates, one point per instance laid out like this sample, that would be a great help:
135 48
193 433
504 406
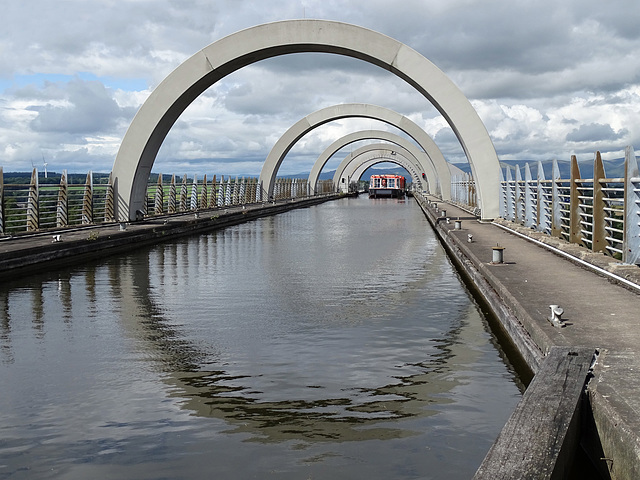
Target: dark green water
330 342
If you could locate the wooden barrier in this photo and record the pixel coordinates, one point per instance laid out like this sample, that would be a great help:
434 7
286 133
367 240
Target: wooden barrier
540 438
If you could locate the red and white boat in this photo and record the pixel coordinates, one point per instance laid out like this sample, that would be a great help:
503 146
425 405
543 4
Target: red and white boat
389 186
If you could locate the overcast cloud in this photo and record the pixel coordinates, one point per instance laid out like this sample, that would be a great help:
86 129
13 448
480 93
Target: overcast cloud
548 79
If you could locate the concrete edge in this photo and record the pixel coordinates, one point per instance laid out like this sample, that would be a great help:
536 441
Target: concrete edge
614 433
499 300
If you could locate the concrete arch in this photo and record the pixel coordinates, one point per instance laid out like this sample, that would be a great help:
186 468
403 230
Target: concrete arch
159 112
362 110
425 165
370 160
341 178
356 168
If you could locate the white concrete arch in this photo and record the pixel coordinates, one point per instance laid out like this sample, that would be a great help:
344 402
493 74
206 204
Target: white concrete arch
341 177
362 110
177 91
370 159
355 169
425 165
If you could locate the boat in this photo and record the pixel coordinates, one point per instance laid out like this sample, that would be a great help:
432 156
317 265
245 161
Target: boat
386 186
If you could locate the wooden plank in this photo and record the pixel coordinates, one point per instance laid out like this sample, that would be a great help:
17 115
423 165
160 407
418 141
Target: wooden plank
539 439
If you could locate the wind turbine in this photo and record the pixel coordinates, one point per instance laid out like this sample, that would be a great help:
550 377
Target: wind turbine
45 166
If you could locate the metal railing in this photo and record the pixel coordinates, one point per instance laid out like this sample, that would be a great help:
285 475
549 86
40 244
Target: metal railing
599 213
34 206
463 190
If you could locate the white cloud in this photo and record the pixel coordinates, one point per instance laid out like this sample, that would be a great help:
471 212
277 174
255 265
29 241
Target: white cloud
548 79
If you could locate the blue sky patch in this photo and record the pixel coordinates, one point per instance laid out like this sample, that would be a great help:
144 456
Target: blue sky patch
39 79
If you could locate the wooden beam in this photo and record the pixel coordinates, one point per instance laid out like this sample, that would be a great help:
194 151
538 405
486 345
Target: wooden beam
539 439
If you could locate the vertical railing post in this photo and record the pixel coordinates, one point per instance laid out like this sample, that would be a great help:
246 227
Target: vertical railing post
204 195
158 201
221 195
183 194
236 192
631 249
171 202
556 217
259 192
62 208
599 233
1 201
33 217
574 220
544 213
194 193
87 200
518 199
503 195
529 198
213 194
243 192
109 201
229 193
510 206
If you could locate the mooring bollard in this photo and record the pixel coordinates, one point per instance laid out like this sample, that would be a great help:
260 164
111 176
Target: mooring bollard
498 254
443 213
469 238
457 225
556 315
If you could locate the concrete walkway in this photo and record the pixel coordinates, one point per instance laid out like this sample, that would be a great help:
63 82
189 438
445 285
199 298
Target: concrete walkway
598 313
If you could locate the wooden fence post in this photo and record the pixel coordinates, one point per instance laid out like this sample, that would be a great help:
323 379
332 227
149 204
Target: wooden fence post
171 203
109 202
183 194
33 217
158 199
87 200
574 221
62 209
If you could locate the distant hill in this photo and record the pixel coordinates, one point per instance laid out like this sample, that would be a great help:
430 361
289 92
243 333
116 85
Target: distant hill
613 168
53 178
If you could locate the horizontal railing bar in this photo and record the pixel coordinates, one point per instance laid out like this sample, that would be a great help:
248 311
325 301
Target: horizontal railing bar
613 229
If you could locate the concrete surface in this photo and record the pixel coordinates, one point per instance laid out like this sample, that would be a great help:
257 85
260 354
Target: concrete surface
598 312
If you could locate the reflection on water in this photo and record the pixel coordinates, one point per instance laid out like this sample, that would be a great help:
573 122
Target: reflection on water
329 342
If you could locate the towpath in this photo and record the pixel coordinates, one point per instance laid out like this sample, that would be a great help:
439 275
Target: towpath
599 312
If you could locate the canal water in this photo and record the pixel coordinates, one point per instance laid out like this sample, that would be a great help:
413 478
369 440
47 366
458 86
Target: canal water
325 343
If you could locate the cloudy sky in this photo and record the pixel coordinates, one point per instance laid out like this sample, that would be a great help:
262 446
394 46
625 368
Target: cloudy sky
548 79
